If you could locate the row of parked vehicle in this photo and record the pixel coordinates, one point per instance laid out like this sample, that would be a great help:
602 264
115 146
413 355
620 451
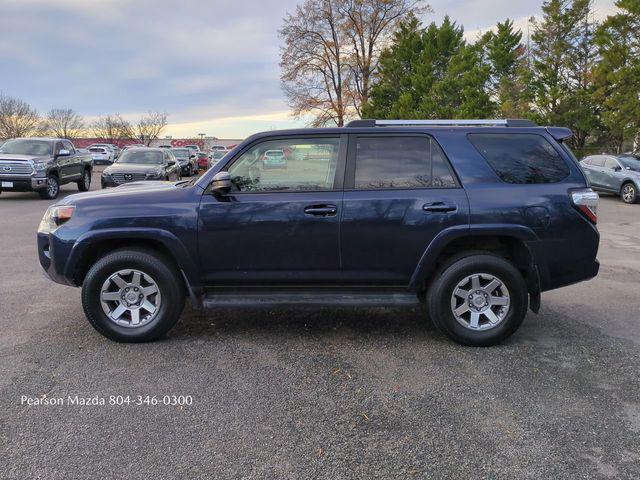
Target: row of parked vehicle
44 164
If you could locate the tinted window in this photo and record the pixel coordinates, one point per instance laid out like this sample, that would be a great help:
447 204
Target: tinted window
287 165
521 158
400 162
441 172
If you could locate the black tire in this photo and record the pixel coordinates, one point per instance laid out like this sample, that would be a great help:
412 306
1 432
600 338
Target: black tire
629 193
439 299
84 184
169 284
52 188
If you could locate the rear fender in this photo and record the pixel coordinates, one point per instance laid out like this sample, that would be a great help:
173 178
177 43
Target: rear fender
428 261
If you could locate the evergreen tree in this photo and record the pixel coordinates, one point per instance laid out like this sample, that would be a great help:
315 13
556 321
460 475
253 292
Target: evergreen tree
618 74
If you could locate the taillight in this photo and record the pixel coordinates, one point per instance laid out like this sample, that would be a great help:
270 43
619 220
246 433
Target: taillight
586 200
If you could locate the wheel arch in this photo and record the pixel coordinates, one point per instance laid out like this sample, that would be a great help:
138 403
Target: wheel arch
95 244
507 241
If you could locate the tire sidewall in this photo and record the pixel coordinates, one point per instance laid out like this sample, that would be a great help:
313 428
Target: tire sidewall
439 299
170 308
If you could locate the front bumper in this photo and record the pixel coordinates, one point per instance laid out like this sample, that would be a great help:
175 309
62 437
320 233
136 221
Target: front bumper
23 183
50 251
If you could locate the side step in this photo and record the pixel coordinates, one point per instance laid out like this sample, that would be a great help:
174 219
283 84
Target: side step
309 299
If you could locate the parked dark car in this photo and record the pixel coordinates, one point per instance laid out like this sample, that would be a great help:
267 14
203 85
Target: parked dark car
616 174
187 160
42 165
473 218
141 163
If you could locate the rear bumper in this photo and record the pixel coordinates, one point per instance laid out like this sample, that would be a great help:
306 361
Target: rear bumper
22 183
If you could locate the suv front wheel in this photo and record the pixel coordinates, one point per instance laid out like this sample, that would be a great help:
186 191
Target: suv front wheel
132 296
478 300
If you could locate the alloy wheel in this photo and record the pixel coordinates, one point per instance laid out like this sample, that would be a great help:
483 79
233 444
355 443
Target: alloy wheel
130 298
628 193
480 302
52 187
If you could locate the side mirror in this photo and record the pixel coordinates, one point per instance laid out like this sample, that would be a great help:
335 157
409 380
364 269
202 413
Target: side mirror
63 153
171 163
192 156
617 168
221 183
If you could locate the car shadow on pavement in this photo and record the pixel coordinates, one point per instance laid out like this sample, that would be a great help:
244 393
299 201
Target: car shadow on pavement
307 322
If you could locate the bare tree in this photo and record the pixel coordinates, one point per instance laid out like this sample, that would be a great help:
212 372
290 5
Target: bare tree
150 126
330 52
63 123
112 128
313 71
17 118
368 25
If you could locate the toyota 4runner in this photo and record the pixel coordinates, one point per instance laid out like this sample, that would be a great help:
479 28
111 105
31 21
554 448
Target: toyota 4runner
475 218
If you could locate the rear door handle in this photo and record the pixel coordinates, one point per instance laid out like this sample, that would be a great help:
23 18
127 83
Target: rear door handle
321 210
439 207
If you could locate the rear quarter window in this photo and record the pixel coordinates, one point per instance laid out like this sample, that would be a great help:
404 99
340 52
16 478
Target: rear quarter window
521 158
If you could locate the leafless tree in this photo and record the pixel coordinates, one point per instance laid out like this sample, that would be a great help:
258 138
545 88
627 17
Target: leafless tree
63 123
368 25
330 52
150 126
312 62
111 128
17 118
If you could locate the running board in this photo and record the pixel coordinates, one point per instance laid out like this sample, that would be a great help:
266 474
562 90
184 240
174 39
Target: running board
304 299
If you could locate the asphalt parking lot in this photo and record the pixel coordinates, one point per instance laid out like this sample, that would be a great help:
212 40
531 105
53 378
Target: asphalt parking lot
322 394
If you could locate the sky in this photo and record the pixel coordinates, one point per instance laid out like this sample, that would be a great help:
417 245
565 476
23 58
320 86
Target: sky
212 65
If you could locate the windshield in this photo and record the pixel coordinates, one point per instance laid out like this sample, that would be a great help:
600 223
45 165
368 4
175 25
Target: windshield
632 162
142 157
181 152
26 147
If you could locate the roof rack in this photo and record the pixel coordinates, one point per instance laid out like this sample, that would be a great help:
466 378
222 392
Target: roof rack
442 123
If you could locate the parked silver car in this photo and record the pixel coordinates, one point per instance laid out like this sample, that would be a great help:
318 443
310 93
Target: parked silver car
619 175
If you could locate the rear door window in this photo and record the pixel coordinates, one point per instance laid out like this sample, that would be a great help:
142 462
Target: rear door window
400 162
521 158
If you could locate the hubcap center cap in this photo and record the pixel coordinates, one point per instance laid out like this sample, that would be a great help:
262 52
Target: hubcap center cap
479 300
131 297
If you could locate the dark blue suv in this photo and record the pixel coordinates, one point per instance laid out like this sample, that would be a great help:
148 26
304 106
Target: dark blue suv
474 218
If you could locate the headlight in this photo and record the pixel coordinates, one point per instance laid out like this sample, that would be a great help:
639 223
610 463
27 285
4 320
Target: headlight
54 217
40 166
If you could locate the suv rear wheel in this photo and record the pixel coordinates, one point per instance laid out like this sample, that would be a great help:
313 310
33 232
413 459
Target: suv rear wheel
478 300
132 296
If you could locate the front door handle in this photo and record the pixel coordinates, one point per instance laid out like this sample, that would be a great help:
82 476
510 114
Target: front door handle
439 207
321 210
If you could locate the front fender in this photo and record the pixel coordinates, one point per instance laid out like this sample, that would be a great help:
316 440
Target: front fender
180 254
427 263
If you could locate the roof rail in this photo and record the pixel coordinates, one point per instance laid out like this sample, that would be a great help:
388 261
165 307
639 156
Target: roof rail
442 123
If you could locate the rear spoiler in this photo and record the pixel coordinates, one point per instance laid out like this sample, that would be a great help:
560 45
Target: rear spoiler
560 133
